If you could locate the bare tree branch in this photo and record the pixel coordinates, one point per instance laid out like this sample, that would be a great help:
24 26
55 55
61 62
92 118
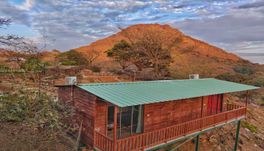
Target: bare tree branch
92 56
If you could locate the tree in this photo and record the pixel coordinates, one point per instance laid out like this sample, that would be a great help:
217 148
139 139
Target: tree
145 51
72 57
121 52
159 57
21 47
92 56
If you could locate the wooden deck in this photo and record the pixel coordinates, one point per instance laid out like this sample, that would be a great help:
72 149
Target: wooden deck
156 137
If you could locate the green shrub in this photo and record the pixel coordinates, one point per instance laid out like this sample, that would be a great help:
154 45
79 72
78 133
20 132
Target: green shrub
38 110
95 69
249 126
68 63
72 57
244 70
262 101
4 67
13 108
234 77
259 81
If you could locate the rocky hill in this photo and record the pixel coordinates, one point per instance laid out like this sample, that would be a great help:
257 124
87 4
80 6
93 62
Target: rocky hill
189 55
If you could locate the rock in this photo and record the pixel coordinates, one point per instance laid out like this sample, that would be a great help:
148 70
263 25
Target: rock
212 139
246 136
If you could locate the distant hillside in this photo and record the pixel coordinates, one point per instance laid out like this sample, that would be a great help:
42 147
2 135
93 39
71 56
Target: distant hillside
189 55
47 56
50 56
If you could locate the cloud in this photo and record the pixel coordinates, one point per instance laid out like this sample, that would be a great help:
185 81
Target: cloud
237 26
256 4
69 24
27 5
17 15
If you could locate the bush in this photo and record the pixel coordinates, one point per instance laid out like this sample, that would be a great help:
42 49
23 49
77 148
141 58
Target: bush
13 108
38 110
262 101
29 122
249 126
95 69
72 57
259 81
244 70
233 77
68 63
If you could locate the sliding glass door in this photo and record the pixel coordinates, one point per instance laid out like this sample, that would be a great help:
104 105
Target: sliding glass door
129 121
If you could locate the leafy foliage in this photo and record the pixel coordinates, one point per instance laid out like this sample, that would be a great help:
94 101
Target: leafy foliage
72 57
240 78
36 121
121 52
38 110
157 56
95 69
244 70
258 81
249 126
146 52
34 65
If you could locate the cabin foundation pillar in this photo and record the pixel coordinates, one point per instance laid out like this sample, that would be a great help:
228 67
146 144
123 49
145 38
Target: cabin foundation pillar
237 135
197 143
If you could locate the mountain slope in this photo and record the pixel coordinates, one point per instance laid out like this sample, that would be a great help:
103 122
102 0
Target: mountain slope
189 55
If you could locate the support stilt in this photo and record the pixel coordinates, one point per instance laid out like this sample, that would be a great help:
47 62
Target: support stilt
237 135
197 143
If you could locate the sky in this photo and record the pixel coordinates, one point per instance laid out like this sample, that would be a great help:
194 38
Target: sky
234 25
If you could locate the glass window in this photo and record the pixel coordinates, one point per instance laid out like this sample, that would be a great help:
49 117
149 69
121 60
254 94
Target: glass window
131 121
110 121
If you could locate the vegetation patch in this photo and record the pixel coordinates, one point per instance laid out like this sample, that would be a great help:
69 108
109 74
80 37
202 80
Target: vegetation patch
72 57
249 126
36 120
95 69
258 81
244 70
240 78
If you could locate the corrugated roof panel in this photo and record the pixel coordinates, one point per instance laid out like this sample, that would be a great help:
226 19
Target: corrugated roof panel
134 93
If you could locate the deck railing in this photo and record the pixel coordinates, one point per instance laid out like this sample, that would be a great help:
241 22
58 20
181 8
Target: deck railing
103 142
149 139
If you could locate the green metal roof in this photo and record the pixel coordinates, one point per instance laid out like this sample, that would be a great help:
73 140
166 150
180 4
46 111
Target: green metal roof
125 94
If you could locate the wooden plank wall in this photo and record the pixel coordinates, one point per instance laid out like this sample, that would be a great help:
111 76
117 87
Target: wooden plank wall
65 94
160 115
101 116
85 106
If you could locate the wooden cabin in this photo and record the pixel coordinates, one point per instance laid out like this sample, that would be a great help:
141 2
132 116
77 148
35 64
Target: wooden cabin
144 115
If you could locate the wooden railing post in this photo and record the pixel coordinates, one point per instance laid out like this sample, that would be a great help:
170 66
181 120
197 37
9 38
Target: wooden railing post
115 128
246 102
